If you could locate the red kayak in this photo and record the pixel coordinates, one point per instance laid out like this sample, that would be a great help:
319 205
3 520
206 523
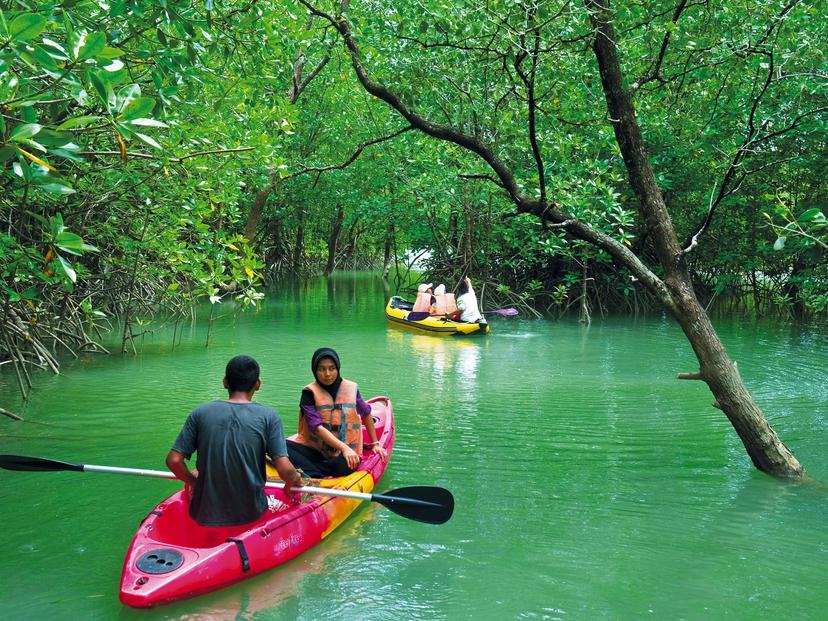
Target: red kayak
171 557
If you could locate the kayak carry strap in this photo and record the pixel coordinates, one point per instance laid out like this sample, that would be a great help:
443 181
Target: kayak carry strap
242 553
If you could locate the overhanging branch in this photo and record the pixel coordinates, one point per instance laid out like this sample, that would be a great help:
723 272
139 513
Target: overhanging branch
353 157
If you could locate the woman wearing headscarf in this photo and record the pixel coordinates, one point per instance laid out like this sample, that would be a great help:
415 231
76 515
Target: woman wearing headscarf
331 415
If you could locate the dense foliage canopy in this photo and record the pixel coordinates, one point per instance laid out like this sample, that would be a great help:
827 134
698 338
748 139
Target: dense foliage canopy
157 153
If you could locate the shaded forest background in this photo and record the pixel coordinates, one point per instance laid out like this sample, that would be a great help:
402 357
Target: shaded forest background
155 154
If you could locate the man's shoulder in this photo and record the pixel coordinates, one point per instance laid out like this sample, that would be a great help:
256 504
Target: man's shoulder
208 406
246 411
258 412
264 410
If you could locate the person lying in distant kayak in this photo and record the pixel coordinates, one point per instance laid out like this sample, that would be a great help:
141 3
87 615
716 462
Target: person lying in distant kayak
467 302
231 439
331 415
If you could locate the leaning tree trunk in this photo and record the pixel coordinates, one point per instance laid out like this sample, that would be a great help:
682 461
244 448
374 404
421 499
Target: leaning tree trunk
675 290
715 367
254 216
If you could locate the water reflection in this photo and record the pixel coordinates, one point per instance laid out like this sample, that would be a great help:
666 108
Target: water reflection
590 484
444 364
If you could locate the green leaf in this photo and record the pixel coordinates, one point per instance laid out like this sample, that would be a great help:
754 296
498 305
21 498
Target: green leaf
127 95
103 88
7 152
70 242
92 44
810 214
46 60
147 123
68 269
57 188
150 141
31 294
125 130
32 144
56 225
55 49
25 131
13 295
780 242
27 26
52 138
137 108
115 65
79 121
109 53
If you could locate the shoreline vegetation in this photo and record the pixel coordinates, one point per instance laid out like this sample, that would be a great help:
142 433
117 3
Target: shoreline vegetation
586 160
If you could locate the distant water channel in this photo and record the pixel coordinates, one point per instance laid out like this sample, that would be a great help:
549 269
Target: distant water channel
590 484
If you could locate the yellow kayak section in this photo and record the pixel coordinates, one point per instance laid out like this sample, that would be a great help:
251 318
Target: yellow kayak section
398 312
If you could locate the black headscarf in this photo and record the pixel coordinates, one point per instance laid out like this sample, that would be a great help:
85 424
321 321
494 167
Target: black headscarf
318 355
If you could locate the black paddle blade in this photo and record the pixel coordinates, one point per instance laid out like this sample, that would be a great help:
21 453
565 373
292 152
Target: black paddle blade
36 464
432 505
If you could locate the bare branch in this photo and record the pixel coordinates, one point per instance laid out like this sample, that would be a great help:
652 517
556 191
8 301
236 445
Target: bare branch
654 73
483 177
175 160
360 148
542 209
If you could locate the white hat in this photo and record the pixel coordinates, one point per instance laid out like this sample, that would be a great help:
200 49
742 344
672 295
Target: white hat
440 290
424 287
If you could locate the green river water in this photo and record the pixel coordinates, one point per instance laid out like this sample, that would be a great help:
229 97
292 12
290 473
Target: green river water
589 483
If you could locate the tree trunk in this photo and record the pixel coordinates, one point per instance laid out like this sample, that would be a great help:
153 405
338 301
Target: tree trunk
386 255
299 248
333 239
674 290
254 216
715 367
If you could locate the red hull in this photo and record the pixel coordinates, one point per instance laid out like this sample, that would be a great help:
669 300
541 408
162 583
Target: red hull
171 557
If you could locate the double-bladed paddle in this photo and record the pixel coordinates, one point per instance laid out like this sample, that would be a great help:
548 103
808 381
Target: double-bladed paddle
423 503
503 312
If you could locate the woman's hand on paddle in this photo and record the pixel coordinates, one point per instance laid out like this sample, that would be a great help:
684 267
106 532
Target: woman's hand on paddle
351 458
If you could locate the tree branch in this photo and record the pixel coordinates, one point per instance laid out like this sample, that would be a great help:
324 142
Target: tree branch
654 73
360 148
542 209
174 160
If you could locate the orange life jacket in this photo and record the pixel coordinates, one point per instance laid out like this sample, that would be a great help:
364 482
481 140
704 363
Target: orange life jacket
423 303
349 430
445 305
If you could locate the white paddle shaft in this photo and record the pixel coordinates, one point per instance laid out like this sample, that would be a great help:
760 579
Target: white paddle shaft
163 474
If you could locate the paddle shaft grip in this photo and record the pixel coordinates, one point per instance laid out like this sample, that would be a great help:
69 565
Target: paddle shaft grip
163 474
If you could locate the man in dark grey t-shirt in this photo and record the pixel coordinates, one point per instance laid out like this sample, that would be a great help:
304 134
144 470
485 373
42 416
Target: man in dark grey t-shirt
231 439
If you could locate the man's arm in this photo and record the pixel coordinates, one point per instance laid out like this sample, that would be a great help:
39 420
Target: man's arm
177 465
288 473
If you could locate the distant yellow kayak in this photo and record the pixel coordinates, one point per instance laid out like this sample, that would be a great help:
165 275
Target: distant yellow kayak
398 312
